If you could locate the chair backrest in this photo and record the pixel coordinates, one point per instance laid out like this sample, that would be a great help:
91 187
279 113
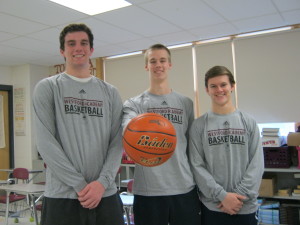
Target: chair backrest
21 174
129 186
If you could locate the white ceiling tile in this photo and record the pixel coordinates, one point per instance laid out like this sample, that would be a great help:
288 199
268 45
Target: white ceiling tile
287 5
5 36
17 56
29 29
292 17
108 50
186 14
259 23
241 9
32 45
42 11
16 25
215 31
138 45
108 33
50 35
175 38
137 21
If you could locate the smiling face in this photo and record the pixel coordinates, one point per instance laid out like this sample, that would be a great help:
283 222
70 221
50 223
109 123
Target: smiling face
158 64
77 50
219 89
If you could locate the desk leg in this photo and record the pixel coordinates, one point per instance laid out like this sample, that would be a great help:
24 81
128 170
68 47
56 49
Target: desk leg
127 173
7 207
32 198
32 177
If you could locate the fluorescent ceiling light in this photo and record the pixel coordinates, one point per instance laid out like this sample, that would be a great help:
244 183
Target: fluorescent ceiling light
180 45
213 40
124 55
93 7
264 32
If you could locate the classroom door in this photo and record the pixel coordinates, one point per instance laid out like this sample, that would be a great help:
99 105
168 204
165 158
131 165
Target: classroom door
4 134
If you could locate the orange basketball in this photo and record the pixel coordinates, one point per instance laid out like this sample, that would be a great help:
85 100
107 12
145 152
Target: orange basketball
149 139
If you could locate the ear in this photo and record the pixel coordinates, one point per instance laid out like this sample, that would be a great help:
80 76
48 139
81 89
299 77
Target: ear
232 87
206 89
146 67
92 50
62 52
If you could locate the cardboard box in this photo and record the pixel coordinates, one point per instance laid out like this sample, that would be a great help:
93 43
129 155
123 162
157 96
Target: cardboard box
267 186
293 139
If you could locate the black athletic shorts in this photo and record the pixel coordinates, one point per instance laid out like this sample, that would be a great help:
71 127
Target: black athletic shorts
57 211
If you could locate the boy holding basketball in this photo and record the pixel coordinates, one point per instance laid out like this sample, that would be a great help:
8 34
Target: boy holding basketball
226 156
78 122
164 194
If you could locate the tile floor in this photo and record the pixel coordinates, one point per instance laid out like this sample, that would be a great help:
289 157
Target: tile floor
23 219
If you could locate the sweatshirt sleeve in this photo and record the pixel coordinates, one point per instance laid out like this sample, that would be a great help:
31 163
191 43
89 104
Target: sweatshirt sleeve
46 137
130 110
205 181
251 180
114 152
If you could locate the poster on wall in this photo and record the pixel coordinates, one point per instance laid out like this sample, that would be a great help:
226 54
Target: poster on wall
19 107
2 133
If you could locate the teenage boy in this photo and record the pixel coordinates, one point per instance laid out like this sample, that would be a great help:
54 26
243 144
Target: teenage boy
226 156
164 194
78 134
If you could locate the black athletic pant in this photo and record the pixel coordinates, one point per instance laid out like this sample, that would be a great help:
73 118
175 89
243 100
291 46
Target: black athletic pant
70 212
209 217
181 209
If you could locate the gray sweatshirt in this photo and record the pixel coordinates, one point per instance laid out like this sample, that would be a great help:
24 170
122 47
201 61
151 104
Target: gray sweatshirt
78 133
226 156
174 176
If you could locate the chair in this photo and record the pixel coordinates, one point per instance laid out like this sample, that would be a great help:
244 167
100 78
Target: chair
19 174
127 199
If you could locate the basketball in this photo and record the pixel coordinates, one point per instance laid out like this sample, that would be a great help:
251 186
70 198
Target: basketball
149 139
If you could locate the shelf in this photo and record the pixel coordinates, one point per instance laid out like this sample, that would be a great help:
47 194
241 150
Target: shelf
283 170
282 197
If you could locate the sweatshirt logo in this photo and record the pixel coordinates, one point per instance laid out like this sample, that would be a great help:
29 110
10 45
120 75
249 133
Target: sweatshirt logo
164 103
225 136
85 107
82 91
173 114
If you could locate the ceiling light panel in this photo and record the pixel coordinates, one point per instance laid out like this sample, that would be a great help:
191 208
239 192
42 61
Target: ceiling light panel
93 7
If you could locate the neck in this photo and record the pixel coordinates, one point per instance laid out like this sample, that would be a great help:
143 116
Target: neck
160 88
225 109
79 72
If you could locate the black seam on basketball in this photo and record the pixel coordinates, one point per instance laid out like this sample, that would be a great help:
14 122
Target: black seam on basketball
147 131
146 151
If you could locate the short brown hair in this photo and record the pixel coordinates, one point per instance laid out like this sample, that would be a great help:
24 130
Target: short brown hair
74 28
156 47
219 71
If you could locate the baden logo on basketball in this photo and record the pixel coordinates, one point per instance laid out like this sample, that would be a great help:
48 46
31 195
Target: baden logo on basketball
155 142
149 139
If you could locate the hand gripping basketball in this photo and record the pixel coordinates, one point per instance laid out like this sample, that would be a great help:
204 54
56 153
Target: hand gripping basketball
149 139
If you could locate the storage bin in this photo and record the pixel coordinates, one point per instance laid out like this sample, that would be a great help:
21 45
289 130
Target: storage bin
277 157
